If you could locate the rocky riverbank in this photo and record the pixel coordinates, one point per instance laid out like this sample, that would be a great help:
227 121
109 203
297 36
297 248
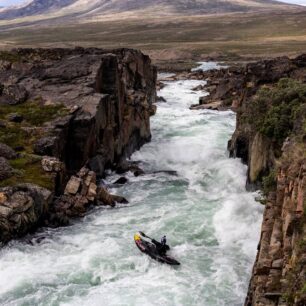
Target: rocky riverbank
66 115
270 100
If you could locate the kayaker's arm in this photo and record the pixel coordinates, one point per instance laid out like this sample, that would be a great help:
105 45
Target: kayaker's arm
158 244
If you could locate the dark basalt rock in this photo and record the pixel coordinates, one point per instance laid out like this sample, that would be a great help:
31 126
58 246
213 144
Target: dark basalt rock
107 98
169 172
125 166
22 209
13 94
46 146
6 170
97 164
161 99
121 181
7 152
15 118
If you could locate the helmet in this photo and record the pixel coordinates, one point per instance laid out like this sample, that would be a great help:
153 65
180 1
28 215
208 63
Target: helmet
137 237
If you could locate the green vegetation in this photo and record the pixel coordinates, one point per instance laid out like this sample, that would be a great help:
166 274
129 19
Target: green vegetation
304 289
269 182
279 109
34 113
28 170
23 135
9 56
14 136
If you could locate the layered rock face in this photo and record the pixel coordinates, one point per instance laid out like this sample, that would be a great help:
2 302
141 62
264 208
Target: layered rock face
270 100
76 108
279 273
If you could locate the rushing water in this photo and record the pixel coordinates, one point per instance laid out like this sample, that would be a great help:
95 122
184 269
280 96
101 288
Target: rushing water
211 222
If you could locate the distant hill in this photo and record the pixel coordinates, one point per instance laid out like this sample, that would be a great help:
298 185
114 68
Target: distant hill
98 7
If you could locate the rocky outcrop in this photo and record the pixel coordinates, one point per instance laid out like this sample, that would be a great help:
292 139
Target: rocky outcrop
89 107
232 86
279 273
22 209
81 191
270 100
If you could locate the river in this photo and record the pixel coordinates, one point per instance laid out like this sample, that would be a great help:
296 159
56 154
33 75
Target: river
212 224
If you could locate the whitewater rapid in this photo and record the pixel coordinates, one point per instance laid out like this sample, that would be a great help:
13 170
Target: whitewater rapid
211 223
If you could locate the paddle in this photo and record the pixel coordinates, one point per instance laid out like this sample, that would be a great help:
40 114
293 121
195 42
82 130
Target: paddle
144 235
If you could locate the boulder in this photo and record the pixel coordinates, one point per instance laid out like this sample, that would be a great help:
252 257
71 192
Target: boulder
46 146
7 152
125 166
119 199
121 181
6 171
216 105
13 94
73 185
105 198
68 206
52 164
17 118
22 209
161 99
92 192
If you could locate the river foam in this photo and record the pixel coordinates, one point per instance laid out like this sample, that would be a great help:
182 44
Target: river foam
211 222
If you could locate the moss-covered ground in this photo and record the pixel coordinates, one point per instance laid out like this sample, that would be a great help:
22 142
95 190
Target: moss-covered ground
23 135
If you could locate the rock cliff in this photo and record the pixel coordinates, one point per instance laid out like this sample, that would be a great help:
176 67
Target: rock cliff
65 116
270 100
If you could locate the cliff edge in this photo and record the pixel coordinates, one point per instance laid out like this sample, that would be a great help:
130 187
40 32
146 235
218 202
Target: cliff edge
270 137
66 115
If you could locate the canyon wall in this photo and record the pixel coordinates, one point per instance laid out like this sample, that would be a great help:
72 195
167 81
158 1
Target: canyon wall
270 137
66 115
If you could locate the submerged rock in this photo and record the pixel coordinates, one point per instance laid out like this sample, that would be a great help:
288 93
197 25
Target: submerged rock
105 198
161 99
125 166
121 181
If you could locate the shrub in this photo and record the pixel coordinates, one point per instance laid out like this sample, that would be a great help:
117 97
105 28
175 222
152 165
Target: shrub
275 110
269 182
33 112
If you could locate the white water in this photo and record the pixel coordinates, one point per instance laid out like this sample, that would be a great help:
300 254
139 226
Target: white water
205 66
211 222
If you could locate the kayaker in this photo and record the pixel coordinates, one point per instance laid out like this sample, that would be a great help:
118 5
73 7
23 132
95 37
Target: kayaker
162 246
163 241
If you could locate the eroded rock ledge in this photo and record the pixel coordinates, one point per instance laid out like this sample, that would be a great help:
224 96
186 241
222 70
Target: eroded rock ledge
65 116
270 137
